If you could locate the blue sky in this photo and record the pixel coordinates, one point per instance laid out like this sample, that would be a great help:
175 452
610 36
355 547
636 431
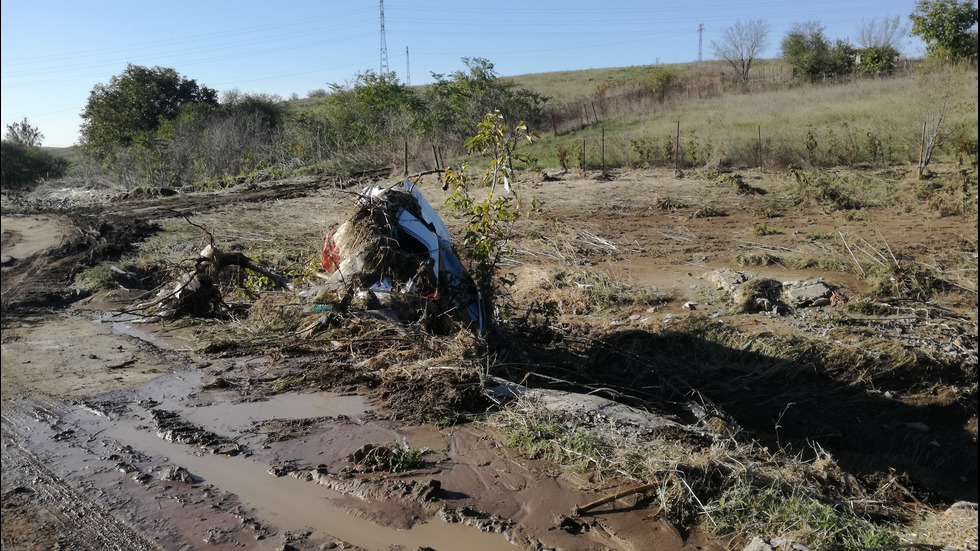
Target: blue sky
55 52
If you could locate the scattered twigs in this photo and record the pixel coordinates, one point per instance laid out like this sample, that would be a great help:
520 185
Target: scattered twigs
848 247
765 246
596 241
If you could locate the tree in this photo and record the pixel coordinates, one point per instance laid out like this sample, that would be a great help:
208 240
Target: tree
947 27
886 32
24 134
811 54
133 105
461 101
741 44
22 165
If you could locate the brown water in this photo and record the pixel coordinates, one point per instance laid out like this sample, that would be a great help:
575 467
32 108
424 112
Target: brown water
295 505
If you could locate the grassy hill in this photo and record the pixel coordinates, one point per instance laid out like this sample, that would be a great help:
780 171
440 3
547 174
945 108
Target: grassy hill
775 119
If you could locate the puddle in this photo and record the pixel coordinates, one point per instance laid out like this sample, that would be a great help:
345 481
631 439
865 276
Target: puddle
295 505
232 418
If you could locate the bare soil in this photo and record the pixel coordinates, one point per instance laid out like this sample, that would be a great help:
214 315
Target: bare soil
124 432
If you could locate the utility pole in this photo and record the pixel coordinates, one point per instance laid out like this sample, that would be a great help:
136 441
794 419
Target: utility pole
384 43
700 37
408 69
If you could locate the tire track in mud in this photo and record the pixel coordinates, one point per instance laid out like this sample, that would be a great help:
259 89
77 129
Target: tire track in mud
80 522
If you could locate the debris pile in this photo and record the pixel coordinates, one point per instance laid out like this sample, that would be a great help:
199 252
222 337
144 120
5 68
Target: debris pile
394 252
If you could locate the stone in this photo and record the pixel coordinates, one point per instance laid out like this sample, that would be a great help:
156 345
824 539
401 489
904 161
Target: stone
727 279
812 292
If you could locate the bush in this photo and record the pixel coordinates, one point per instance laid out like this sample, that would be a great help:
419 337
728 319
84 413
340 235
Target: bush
22 165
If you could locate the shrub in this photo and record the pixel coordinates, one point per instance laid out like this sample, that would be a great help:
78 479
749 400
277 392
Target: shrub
22 165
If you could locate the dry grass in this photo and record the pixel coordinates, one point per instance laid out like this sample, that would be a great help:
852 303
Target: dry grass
863 121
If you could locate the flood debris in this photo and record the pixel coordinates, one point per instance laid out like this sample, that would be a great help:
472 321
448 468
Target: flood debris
197 291
394 255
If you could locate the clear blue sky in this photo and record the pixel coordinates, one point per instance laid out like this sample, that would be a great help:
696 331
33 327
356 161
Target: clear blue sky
55 52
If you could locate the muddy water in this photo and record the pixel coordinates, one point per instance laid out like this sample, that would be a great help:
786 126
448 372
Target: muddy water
234 418
295 505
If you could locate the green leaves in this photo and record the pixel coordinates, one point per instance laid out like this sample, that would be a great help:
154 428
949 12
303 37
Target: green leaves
488 220
135 103
946 27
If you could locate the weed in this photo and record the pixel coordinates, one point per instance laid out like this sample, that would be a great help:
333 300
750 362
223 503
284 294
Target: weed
398 458
562 153
758 259
287 383
762 229
855 216
737 182
745 510
667 204
906 279
769 212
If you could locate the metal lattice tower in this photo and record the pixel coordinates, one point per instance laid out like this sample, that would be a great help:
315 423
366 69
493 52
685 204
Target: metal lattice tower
700 36
384 43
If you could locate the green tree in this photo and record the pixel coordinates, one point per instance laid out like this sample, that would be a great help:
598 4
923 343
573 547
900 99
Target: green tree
22 165
459 102
24 133
948 28
813 56
134 104
488 220
878 60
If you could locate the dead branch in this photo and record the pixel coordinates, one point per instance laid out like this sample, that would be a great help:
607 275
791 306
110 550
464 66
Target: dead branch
577 510
220 260
848 247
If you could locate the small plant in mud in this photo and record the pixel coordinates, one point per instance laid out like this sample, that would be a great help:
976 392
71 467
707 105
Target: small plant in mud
762 229
565 443
487 228
397 458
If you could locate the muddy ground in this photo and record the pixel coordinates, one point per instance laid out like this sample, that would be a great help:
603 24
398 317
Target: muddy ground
122 431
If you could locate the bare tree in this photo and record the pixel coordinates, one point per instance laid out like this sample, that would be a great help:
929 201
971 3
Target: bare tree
886 32
740 44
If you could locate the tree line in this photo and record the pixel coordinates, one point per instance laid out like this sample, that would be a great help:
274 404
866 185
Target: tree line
152 127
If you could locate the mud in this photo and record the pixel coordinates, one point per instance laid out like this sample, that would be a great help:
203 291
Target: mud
120 432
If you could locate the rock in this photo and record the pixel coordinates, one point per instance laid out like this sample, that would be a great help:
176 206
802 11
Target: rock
180 474
727 279
812 292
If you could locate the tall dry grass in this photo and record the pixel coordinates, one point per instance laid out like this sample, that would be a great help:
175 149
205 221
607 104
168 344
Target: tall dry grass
773 124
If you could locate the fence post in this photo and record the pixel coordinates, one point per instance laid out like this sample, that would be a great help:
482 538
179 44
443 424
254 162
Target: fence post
677 146
922 145
760 147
